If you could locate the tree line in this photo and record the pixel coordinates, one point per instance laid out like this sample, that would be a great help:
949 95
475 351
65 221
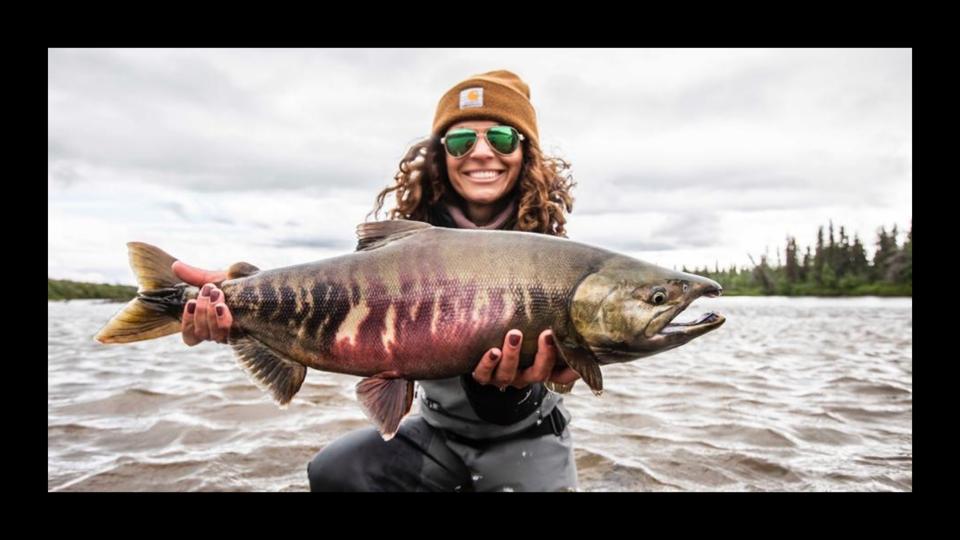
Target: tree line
835 266
62 289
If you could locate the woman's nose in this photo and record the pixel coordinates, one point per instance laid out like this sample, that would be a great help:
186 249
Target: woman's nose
482 148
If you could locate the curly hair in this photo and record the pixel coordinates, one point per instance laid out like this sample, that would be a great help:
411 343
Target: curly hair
544 186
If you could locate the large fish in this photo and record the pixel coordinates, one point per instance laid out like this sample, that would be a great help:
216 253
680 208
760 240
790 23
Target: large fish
421 302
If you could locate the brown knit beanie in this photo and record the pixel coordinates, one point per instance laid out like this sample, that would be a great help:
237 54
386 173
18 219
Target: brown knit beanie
497 95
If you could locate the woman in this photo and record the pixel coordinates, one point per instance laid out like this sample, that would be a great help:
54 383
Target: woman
498 428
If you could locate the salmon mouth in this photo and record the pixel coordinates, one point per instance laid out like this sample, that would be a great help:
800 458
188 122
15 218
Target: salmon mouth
710 320
705 323
673 334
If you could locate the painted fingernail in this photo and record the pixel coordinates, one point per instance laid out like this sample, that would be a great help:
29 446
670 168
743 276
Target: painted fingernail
495 355
205 291
550 342
214 296
514 340
191 307
219 311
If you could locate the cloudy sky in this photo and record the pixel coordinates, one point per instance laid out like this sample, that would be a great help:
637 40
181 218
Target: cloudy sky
682 156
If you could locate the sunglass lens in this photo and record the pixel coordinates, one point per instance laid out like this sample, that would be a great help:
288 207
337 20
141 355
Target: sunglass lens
460 142
503 139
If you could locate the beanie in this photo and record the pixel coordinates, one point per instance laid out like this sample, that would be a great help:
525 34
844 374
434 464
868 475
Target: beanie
496 95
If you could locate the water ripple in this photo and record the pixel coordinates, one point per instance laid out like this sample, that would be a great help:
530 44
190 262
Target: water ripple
789 395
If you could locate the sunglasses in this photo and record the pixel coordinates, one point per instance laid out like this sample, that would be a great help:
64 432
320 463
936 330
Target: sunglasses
502 139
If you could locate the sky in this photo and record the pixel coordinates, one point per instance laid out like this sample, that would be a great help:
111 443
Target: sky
682 157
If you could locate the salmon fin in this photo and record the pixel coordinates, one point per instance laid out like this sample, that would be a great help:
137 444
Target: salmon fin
241 269
155 311
386 400
138 321
585 364
377 234
151 265
559 388
580 358
268 369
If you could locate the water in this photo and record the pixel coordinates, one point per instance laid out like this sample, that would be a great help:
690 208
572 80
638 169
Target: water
791 394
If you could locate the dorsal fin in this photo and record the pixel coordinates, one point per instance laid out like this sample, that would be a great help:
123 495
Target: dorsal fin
380 233
241 269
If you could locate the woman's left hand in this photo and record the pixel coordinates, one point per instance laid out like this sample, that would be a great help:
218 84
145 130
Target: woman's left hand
500 367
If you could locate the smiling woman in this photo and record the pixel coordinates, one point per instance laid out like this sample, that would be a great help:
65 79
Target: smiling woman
481 168
455 175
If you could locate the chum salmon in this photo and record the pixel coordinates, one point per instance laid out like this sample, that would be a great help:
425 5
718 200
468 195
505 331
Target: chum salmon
417 302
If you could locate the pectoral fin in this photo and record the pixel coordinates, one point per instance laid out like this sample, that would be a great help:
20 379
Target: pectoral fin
580 358
385 400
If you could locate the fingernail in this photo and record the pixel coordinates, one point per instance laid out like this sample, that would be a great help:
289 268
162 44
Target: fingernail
214 296
191 307
205 291
219 311
514 340
495 355
550 341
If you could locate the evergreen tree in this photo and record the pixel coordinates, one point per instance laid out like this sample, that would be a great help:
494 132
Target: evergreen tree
844 256
859 264
831 258
898 264
807 267
818 258
886 250
762 275
792 267
907 276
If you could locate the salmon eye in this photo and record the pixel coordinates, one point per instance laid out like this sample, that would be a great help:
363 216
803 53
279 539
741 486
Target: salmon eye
659 296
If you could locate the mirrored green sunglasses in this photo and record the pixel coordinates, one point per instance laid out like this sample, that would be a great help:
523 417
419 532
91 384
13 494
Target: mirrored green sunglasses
502 139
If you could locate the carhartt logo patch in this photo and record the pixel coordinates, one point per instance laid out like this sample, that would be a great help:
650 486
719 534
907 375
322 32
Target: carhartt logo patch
471 97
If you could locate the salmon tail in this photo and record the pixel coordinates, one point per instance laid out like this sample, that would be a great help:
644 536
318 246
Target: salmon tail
155 312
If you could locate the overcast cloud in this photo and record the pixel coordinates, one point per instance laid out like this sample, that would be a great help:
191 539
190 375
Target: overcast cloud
682 157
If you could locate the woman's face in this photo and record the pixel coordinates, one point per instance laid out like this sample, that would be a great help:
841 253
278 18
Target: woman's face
483 176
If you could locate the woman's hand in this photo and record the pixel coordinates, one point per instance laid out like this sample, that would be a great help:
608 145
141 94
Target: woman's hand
499 367
207 317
